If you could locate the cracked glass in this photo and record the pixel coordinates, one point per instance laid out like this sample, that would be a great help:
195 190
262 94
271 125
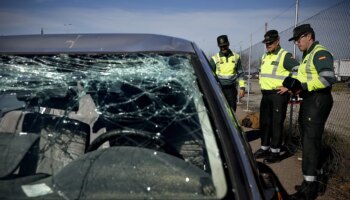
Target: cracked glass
107 126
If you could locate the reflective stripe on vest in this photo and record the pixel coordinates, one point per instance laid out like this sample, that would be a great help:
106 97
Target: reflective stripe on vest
219 65
308 65
272 72
310 74
275 66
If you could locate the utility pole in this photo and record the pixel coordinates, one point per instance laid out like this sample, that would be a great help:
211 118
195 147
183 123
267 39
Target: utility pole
249 62
296 22
240 48
292 148
265 32
240 55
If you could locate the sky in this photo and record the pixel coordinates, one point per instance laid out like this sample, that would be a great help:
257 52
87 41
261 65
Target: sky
200 21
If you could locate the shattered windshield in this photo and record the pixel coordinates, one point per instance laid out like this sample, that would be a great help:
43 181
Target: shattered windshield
107 126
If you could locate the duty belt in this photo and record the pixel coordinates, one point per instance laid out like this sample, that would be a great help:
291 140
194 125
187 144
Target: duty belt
305 94
268 92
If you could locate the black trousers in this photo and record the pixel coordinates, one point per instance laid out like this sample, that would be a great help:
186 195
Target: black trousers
230 92
313 115
273 109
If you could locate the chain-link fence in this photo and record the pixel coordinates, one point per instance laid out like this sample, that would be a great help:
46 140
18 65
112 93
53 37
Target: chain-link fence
332 29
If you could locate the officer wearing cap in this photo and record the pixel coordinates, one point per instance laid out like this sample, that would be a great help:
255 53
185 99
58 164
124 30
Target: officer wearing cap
276 65
313 83
226 65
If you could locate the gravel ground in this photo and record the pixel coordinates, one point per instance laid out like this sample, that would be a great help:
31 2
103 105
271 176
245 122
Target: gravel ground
336 136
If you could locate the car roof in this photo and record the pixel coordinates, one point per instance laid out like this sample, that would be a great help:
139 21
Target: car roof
92 43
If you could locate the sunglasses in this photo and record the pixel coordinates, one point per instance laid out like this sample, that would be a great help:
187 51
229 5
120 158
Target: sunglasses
298 40
269 43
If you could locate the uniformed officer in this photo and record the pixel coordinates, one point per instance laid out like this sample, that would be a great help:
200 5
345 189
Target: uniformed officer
276 65
226 65
313 83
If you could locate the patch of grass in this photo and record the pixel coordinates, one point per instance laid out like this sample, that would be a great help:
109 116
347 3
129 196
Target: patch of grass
340 86
338 164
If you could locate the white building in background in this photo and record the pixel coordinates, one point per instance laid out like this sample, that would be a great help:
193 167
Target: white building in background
342 69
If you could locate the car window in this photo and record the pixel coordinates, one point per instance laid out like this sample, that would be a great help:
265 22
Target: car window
135 119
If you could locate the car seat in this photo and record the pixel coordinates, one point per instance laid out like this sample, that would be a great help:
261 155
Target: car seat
61 140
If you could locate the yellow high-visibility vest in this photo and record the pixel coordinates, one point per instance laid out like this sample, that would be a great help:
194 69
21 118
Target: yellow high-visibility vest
227 68
272 72
307 72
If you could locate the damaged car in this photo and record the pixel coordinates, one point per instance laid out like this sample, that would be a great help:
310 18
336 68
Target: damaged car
120 116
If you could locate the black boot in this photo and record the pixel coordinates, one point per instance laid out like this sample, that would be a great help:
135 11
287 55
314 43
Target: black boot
273 158
306 191
260 153
323 181
299 187
322 184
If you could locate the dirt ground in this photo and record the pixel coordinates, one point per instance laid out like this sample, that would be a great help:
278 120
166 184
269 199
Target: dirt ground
289 170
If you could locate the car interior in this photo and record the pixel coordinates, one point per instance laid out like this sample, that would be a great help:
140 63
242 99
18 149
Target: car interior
60 125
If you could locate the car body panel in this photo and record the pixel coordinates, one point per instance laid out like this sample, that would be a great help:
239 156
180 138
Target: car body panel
97 43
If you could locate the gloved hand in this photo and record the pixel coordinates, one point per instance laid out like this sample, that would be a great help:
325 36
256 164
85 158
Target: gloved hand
292 84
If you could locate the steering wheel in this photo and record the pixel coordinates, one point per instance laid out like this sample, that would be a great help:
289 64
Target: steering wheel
133 137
